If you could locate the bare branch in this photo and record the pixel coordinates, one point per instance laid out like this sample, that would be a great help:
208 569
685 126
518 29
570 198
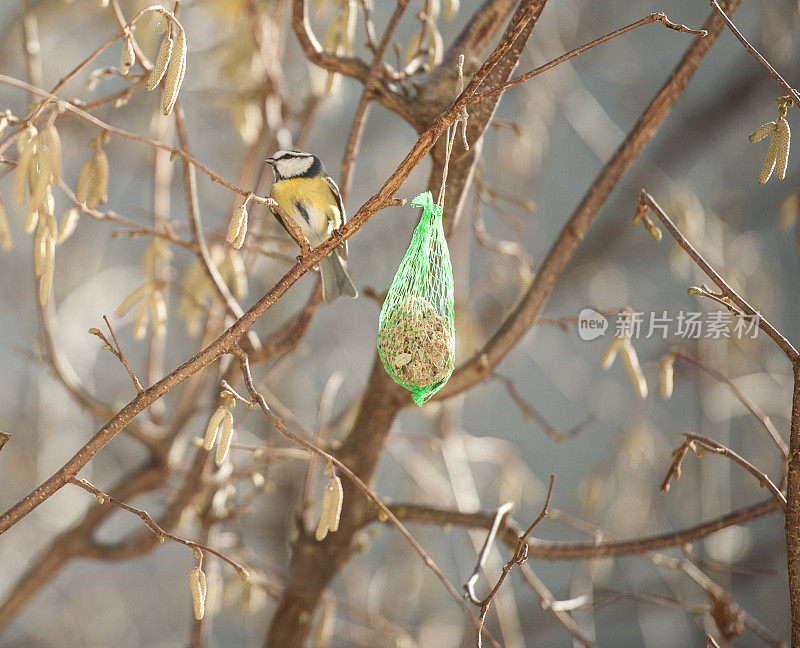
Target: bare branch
654 17
546 550
151 524
519 321
764 62
693 441
712 274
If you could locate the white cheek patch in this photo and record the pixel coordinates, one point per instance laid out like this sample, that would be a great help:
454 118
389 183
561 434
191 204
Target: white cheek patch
293 167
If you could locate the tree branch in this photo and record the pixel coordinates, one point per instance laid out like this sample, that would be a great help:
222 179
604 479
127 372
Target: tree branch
519 321
547 550
724 286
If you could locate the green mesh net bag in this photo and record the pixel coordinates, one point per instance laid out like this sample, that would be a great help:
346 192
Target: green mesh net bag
416 331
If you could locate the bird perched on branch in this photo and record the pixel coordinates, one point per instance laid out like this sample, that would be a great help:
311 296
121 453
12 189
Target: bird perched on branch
312 200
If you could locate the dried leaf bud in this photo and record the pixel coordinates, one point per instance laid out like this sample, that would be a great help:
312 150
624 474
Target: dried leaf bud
451 8
6 242
633 368
666 375
84 182
126 304
331 508
213 427
53 141
160 65
197 583
225 437
237 230
98 186
176 68
68 225
127 58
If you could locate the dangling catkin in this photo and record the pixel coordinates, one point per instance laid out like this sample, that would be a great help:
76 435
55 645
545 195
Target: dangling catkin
331 508
84 182
98 185
6 242
38 249
160 65
53 142
142 318
197 583
68 225
23 167
46 280
42 164
237 230
162 25
225 437
175 71
666 374
213 427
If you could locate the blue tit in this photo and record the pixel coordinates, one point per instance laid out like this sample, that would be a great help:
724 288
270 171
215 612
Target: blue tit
312 200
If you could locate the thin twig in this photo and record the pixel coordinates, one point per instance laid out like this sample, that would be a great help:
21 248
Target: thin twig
50 96
519 557
366 490
116 350
756 411
469 587
548 550
151 524
654 17
529 411
190 189
362 110
693 441
712 274
764 62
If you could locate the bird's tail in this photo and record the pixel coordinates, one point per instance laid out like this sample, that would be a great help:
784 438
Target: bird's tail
335 280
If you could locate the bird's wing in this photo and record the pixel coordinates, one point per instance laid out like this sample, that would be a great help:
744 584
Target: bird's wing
335 191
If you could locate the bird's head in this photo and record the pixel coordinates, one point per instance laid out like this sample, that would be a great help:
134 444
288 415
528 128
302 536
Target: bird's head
294 164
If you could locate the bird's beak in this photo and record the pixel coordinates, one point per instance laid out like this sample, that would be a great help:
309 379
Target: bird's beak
270 161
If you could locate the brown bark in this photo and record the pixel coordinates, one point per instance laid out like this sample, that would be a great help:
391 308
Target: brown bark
792 524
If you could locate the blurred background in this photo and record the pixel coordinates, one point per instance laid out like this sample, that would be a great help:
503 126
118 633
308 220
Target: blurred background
550 138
